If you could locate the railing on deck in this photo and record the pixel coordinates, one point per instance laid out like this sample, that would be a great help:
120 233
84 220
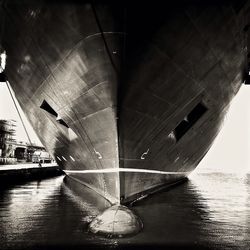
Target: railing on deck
5 160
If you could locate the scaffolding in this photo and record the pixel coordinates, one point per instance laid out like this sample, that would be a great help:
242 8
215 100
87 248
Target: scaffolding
7 138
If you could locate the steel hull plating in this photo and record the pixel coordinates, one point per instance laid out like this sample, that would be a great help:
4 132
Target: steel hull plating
126 98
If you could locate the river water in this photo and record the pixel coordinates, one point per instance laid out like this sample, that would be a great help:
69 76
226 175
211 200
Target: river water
211 211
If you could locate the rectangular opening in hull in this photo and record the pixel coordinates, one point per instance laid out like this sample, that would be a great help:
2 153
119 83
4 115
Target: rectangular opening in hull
62 122
45 106
189 120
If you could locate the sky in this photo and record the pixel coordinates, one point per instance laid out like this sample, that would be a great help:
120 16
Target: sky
230 150
8 111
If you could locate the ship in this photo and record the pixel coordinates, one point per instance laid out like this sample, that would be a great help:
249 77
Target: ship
127 96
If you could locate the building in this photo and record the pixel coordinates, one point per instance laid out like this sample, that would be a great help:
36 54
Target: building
11 150
7 138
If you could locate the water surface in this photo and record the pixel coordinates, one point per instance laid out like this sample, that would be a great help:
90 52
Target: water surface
211 210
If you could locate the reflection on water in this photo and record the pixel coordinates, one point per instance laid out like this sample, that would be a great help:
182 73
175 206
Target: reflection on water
226 198
21 205
41 213
211 209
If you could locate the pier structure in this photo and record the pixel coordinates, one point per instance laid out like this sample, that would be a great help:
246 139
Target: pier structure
19 172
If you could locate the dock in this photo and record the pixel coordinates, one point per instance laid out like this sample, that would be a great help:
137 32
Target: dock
29 171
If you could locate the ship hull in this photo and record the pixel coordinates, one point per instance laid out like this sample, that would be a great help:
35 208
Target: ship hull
126 99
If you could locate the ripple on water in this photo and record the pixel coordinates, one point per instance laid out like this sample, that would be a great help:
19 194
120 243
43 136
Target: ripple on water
210 208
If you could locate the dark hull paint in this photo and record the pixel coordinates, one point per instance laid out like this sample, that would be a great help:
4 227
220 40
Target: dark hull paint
122 78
